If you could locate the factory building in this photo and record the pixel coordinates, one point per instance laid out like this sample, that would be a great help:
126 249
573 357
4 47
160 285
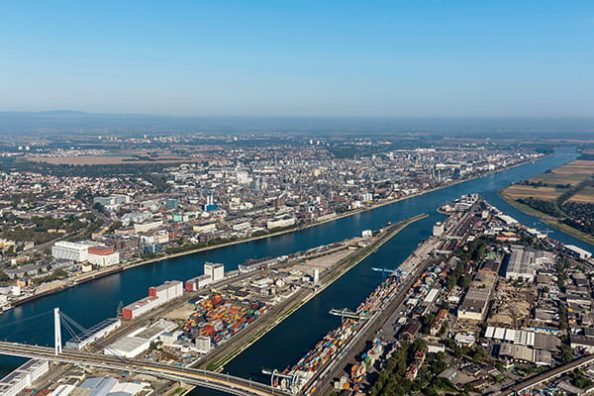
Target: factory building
203 344
438 228
281 222
476 301
72 251
157 296
215 271
578 252
23 377
523 262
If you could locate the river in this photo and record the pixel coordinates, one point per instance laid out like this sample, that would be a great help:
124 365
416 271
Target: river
92 302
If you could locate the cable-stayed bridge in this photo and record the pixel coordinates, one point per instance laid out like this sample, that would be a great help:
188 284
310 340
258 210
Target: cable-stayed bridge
208 379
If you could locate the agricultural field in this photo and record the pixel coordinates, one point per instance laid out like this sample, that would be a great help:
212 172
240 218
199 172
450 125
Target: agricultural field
110 158
519 191
555 179
583 196
570 174
563 197
577 167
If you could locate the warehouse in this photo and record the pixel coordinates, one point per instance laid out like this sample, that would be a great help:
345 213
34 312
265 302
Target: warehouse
158 296
578 252
523 262
72 251
23 377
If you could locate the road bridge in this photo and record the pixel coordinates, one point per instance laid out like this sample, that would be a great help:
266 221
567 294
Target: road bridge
555 372
208 379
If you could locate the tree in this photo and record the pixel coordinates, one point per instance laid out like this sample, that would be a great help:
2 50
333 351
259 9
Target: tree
419 345
566 353
426 322
3 276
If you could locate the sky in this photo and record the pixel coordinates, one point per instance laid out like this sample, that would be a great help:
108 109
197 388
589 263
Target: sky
413 58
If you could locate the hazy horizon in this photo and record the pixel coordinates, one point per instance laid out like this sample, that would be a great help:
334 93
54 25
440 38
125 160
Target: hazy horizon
77 122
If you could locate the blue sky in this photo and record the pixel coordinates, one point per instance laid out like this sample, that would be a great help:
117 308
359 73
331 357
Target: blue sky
414 58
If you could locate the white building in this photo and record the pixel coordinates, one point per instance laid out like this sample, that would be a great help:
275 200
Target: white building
205 228
103 256
3 301
203 344
215 271
113 201
14 290
281 222
23 377
128 347
578 252
523 262
438 228
157 296
203 281
147 226
72 251
241 226
243 177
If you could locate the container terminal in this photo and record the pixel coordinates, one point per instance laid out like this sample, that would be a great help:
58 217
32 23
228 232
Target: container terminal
311 372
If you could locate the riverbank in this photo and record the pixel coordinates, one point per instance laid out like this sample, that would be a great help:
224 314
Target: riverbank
113 270
549 220
232 349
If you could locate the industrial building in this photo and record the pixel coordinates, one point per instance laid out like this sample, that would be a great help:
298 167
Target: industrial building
523 353
438 228
23 377
281 222
578 252
203 344
97 332
139 341
524 262
113 201
73 251
213 272
476 301
157 296
99 386
216 271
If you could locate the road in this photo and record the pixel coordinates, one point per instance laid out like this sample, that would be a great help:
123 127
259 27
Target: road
334 367
417 262
546 376
222 382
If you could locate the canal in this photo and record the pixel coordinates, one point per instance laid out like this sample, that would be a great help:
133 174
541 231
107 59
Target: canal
94 301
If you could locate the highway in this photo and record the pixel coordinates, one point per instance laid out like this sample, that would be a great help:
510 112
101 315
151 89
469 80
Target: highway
208 379
538 379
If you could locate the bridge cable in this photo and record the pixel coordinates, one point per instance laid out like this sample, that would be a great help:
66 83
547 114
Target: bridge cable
100 343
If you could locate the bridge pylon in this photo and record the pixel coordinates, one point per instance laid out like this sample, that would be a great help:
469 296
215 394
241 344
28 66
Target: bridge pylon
57 332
